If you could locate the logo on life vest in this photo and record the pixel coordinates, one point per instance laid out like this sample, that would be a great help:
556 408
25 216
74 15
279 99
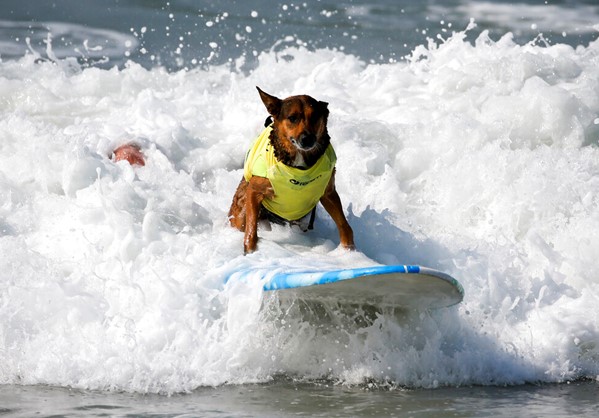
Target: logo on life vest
304 183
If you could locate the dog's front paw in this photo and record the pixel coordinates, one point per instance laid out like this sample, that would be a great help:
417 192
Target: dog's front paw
250 242
346 237
349 247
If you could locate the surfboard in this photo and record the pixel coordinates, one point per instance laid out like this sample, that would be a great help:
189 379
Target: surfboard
399 286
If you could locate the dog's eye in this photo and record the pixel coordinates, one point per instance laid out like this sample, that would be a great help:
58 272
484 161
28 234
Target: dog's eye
292 118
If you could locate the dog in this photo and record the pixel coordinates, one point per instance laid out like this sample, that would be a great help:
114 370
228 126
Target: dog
288 170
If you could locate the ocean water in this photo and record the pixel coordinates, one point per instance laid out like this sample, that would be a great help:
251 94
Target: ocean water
467 136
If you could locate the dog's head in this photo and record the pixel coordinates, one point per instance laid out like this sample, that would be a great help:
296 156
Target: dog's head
299 136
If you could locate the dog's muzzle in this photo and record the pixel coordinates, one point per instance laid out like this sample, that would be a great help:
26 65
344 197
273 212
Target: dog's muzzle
305 141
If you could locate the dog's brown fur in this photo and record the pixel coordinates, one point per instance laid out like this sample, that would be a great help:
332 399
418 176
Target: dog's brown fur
299 138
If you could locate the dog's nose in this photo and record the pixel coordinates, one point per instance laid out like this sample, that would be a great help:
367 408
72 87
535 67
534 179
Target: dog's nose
306 140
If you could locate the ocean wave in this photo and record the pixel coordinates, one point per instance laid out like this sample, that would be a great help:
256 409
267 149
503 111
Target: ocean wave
479 159
60 40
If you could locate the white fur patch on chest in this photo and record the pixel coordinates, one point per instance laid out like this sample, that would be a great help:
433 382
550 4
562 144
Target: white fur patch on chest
299 161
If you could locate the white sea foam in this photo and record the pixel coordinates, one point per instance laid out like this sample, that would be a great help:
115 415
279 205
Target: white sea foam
480 160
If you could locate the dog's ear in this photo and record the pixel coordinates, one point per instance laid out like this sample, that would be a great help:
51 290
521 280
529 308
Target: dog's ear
272 103
324 108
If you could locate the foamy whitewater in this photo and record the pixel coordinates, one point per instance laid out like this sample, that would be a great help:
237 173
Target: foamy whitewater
478 159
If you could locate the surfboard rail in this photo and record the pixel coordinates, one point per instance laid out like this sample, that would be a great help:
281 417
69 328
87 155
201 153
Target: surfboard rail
402 286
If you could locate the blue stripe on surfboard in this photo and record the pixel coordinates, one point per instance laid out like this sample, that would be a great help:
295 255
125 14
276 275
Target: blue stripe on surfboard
276 278
288 280
280 280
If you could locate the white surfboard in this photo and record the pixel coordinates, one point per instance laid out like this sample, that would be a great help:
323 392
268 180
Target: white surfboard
400 286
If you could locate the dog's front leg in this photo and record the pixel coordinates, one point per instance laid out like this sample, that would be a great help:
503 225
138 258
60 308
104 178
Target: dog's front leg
237 210
332 204
258 188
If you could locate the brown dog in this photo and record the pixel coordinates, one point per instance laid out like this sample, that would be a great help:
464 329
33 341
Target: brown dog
288 170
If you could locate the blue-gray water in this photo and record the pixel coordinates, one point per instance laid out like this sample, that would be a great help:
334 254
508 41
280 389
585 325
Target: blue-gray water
96 321
281 399
186 33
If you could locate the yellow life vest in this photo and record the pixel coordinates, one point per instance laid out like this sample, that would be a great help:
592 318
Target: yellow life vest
296 191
